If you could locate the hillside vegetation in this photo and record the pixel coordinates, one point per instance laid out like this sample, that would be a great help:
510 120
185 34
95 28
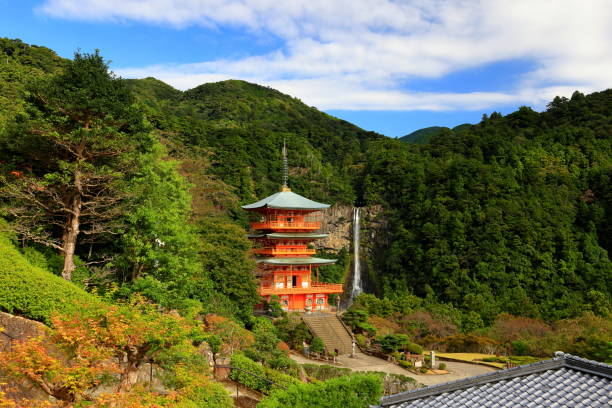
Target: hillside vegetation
425 135
243 125
31 291
511 215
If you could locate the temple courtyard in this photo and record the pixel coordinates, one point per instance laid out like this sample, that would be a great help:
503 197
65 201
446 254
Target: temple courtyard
363 362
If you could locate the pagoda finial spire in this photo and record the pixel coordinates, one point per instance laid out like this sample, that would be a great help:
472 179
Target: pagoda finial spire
285 187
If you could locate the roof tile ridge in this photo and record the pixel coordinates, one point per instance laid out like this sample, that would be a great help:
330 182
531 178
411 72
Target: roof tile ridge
584 364
560 360
480 379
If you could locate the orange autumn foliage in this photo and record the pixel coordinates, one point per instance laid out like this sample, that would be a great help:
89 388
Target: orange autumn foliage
384 326
231 334
95 344
283 346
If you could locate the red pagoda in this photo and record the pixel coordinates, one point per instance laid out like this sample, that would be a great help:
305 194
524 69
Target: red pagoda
286 228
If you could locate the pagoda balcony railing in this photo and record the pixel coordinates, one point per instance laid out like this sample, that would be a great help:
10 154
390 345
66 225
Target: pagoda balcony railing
284 251
306 225
270 272
313 288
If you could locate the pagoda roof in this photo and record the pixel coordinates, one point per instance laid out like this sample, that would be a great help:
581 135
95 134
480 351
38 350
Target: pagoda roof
289 235
297 261
286 200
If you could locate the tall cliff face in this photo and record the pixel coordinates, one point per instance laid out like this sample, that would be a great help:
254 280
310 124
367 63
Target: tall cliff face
337 222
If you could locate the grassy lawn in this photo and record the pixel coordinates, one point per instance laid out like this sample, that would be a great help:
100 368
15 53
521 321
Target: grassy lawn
489 359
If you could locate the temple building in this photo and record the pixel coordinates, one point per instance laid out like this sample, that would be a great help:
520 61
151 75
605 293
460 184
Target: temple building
283 237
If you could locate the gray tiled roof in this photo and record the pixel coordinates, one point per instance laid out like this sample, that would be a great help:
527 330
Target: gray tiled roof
565 381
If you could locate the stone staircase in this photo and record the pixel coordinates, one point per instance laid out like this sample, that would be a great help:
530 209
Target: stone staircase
330 329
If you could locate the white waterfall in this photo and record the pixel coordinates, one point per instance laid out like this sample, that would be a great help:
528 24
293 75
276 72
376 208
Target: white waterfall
356 260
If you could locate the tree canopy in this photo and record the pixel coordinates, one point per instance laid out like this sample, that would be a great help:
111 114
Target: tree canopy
72 148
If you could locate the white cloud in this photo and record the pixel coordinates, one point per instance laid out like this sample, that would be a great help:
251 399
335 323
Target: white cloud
355 54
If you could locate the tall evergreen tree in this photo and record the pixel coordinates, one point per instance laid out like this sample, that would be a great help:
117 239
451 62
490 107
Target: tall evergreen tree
77 142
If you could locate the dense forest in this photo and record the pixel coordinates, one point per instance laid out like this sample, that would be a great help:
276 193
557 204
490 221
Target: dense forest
509 215
131 188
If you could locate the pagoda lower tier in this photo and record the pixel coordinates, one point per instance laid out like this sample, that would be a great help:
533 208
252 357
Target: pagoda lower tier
290 281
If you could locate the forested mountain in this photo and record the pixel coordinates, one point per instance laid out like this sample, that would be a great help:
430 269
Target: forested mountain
21 63
425 135
509 215
244 124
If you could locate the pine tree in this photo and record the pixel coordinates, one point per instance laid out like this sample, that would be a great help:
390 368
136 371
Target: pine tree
76 145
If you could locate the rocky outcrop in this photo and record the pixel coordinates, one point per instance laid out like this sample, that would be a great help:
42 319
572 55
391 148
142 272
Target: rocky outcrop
17 328
338 223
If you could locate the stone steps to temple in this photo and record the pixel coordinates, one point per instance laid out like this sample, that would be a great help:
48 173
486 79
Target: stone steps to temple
330 329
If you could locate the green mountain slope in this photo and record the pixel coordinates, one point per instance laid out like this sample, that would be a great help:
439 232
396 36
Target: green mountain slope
244 125
239 126
425 135
510 215
20 64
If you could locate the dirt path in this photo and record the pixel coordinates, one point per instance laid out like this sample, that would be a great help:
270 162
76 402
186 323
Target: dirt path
364 362
238 390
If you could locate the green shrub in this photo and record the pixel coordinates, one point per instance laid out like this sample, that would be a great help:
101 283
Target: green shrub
392 342
354 318
282 363
406 364
423 370
355 391
495 360
275 309
325 372
35 258
442 366
385 307
249 366
31 291
361 341
293 331
206 395
279 379
256 376
317 345
162 293
413 348
397 355
368 329
520 348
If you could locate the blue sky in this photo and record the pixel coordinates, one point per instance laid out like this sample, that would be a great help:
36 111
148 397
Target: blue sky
387 66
